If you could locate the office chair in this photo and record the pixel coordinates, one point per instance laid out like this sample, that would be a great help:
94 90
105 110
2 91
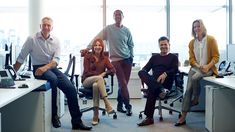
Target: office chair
174 93
87 93
179 83
70 72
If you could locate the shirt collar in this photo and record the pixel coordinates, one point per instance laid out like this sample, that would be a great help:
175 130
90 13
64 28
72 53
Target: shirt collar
203 40
39 35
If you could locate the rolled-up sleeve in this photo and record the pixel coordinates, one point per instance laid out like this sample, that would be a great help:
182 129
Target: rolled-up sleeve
26 49
57 54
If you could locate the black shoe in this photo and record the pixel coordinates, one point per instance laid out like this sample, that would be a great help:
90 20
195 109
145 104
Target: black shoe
56 121
146 121
120 109
180 124
128 112
81 126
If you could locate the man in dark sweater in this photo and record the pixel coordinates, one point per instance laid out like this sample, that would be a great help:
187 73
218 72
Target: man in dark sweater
164 66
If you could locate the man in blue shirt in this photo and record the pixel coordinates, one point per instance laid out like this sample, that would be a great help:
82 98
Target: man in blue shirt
44 50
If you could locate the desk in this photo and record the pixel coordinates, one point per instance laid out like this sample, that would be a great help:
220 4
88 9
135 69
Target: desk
220 104
227 81
134 85
9 95
21 109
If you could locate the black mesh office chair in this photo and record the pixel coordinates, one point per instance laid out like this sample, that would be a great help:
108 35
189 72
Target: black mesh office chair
87 93
70 70
70 73
174 93
180 87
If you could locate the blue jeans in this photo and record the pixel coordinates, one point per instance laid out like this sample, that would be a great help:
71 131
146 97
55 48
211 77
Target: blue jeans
58 80
123 72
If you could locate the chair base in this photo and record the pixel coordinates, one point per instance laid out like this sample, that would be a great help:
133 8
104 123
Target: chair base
101 109
180 98
160 107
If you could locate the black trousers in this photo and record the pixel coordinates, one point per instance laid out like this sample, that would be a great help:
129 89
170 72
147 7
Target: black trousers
154 89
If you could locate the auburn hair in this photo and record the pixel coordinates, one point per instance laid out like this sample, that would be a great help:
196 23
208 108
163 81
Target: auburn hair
101 44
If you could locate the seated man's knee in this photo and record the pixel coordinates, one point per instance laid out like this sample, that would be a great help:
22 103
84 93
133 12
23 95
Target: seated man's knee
53 81
141 73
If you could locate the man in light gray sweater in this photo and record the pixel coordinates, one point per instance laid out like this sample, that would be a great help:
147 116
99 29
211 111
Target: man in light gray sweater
120 46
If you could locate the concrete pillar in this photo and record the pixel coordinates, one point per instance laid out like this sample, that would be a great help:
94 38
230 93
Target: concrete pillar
35 15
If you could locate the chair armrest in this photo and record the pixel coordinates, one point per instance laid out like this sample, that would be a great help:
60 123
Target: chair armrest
76 79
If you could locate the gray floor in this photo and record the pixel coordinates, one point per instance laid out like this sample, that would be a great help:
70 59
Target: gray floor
195 121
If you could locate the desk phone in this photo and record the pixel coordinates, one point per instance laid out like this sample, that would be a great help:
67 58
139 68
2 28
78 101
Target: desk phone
6 79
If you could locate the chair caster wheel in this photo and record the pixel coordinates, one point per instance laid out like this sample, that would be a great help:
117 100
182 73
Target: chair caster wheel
171 104
103 113
140 116
84 102
179 115
160 119
165 101
170 112
115 116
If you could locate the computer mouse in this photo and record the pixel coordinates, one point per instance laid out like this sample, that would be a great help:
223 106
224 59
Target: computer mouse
23 86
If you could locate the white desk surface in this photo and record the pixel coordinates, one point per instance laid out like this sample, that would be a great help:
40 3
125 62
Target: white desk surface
227 81
8 95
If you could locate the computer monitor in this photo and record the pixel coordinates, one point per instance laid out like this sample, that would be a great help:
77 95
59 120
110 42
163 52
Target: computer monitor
8 60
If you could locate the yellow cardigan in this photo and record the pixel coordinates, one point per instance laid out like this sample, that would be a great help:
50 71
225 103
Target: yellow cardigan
212 53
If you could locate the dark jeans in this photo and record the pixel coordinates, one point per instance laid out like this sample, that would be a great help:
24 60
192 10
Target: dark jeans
154 89
58 79
123 71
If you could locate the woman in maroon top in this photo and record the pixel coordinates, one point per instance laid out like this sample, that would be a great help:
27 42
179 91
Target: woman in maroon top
96 66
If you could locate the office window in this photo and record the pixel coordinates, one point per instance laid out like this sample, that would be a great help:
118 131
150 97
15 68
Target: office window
76 22
184 12
13 23
146 21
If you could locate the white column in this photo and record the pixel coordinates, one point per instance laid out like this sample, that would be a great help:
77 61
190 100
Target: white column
35 15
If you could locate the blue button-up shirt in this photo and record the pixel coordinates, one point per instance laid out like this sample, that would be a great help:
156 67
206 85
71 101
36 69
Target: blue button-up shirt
41 51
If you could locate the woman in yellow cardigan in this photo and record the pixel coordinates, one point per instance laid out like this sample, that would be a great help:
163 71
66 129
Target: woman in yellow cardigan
203 55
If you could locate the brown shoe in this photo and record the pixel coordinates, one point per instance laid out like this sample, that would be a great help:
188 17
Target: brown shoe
164 93
146 121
